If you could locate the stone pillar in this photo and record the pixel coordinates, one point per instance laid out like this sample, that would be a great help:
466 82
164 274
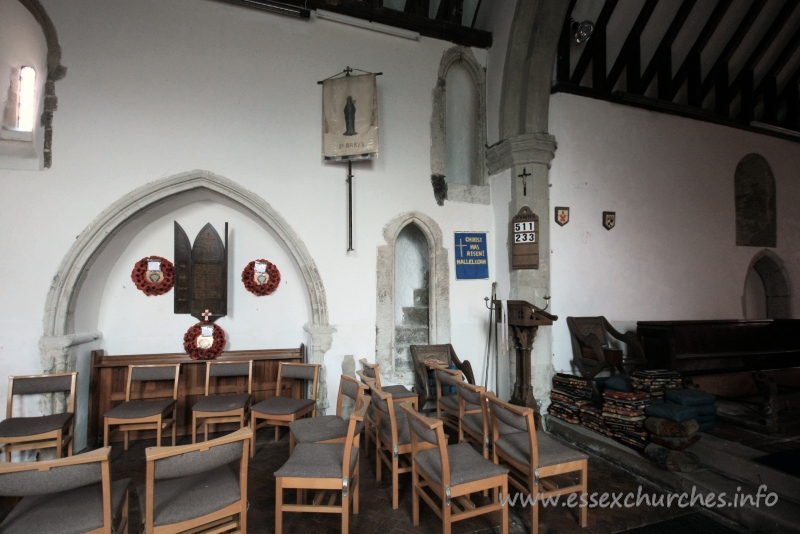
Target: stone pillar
321 340
533 154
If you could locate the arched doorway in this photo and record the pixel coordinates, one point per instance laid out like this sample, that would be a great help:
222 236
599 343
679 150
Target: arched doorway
767 292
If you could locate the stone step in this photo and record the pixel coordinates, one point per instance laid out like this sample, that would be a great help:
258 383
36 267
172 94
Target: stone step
421 297
405 335
415 315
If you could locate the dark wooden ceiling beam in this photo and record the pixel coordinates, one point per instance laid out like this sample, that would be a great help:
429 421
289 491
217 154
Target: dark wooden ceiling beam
719 72
766 41
630 55
690 68
784 57
595 45
664 51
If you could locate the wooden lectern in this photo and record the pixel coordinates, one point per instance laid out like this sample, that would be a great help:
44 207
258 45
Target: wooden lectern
523 320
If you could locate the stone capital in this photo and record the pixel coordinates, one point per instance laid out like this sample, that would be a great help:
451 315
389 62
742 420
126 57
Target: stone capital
524 149
55 349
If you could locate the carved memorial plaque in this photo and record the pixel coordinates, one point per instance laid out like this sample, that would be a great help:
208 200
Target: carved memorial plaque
524 237
201 273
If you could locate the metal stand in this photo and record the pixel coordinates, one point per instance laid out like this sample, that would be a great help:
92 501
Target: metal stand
350 206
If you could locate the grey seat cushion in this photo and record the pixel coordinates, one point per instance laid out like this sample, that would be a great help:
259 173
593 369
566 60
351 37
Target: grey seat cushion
139 408
317 460
221 403
551 452
403 432
450 401
281 406
466 465
67 512
474 422
314 429
27 426
180 499
399 392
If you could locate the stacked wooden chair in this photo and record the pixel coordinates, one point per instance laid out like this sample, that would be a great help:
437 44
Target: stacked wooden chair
451 473
194 488
145 414
323 467
474 421
48 431
393 440
72 494
533 456
215 409
280 410
328 428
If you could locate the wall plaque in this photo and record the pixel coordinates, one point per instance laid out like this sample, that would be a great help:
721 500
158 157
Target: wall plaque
523 235
201 273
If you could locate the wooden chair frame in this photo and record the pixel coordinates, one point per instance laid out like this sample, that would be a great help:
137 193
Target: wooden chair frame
396 456
238 415
376 370
283 420
531 479
370 423
336 486
219 521
455 503
56 439
97 455
153 422
464 432
444 353
450 417
362 389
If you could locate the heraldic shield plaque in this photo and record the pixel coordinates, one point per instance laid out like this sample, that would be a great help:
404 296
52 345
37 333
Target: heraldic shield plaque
201 273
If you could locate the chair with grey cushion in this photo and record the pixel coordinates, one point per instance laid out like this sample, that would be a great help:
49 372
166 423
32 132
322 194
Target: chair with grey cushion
323 468
393 441
43 432
215 409
65 495
473 416
447 403
399 393
534 457
200 487
145 414
281 410
328 428
451 473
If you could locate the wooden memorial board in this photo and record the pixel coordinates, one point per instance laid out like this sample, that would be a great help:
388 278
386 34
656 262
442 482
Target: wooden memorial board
201 273
524 237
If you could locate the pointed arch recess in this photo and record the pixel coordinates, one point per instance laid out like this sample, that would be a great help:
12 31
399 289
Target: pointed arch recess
63 295
439 295
769 267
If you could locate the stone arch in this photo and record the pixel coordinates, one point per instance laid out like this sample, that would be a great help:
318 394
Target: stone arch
755 197
55 72
439 294
770 268
62 298
475 193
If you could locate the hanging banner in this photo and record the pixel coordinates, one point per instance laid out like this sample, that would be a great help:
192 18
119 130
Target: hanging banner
472 261
350 118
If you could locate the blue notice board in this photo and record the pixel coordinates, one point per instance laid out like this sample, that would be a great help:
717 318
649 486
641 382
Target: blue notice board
472 260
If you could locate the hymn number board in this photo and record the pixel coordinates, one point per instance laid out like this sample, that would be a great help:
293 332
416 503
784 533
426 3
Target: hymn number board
201 273
524 238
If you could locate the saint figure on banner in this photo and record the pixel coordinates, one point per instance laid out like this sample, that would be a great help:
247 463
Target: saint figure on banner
350 116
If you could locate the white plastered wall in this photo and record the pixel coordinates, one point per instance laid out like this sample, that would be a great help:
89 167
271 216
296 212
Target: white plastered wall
673 253
158 88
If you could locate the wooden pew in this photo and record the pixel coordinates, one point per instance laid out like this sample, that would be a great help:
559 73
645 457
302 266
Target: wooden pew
108 375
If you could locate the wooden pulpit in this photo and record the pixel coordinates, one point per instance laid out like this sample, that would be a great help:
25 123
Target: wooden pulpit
523 320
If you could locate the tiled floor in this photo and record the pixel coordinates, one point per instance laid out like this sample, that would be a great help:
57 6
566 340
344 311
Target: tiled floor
376 514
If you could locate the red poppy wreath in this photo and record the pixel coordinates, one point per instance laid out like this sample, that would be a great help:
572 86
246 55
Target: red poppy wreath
200 347
151 280
261 277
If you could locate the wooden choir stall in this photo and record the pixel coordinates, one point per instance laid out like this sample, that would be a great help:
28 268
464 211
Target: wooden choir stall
108 377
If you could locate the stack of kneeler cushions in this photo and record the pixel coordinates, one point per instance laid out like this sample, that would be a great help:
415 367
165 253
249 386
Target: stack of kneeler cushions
701 403
656 382
624 415
568 396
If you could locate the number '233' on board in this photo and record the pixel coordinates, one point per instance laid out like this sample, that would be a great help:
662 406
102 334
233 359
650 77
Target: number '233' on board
524 232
